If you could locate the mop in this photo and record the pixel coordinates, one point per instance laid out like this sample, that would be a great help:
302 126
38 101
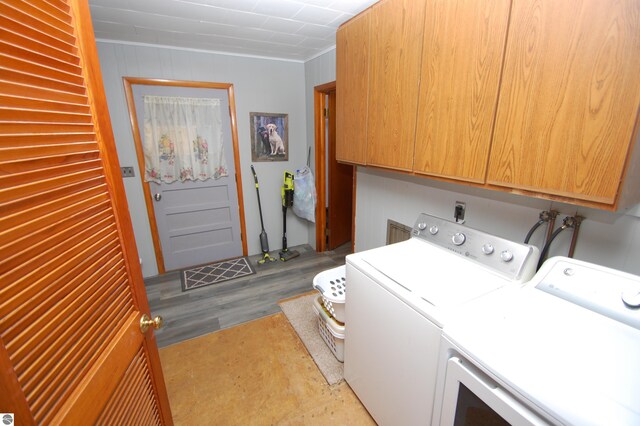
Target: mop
264 241
287 201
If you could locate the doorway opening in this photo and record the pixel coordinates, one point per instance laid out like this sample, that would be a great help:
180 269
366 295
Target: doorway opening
335 182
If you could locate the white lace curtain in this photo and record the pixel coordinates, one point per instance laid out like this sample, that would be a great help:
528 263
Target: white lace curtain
182 139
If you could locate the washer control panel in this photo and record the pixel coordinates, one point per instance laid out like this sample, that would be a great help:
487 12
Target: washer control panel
515 260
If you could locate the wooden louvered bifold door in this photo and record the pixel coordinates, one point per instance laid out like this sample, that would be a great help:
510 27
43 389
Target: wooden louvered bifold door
71 291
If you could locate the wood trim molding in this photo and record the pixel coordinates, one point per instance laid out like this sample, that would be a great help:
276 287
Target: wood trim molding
319 103
129 82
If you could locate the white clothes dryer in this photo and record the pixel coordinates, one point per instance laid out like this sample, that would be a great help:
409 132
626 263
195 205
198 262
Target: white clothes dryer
562 349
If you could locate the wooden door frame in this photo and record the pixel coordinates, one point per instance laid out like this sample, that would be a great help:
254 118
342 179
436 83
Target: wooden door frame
128 83
320 103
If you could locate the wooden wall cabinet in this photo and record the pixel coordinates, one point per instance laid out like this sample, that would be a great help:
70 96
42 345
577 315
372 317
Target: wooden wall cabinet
569 98
394 69
537 97
352 87
461 62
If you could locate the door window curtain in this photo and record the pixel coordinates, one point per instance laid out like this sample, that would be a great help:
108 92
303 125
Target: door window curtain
182 139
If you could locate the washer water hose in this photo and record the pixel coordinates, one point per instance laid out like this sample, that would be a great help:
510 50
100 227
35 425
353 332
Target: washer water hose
567 222
532 230
545 216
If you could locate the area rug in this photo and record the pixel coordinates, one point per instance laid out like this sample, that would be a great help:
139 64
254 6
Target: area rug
215 273
299 311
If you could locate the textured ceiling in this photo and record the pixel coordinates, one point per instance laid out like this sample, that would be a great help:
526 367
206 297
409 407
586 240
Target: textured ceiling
286 29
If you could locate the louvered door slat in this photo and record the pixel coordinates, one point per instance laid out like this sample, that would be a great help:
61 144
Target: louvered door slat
127 401
50 382
43 347
51 150
31 248
53 267
60 5
42 80
54 396
39 140
21 102
19 161
53 75
40 336
16 26
41 302
52 117
72 202
35 213
37 18
70 294
36 46
37 57
44 15
54 264
44 252
26 170
12 88
60 14
27 187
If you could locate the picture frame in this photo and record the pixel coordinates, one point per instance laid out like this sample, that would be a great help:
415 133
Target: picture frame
269 136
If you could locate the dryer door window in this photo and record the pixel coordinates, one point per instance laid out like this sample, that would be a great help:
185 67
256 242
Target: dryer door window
471 398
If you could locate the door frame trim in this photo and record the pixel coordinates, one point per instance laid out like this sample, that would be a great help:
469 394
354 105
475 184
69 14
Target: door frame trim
319 104
128 83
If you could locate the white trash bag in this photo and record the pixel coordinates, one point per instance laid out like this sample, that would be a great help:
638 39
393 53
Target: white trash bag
304 194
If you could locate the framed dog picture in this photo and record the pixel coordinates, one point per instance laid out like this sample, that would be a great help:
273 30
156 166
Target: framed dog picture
269 136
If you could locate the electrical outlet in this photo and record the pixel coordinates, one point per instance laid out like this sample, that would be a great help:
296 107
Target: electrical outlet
127 172
458 211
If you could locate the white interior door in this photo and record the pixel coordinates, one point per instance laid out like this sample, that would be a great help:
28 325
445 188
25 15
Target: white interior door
198 222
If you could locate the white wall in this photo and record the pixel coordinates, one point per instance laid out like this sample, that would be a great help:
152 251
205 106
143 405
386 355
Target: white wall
261 85
609 239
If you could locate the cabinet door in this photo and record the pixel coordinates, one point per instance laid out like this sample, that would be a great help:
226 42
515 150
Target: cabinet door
461 63
352 87
569 97
394 67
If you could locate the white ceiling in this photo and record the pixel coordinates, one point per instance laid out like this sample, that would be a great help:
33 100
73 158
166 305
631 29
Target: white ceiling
285 29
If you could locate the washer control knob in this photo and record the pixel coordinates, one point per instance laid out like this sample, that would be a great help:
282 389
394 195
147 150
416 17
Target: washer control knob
433 230
458 238
487 249
422 226
506 256
631 298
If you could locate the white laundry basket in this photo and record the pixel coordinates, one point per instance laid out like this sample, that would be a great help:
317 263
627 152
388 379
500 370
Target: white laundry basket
332 284
331 331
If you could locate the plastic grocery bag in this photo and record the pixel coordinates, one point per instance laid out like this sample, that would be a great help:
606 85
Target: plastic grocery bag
304 194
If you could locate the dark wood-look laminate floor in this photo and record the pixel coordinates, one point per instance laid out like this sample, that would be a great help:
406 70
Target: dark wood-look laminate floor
203 310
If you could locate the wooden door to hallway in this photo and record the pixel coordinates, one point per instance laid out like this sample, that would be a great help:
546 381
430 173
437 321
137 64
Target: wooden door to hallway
192 222
72 349
334 181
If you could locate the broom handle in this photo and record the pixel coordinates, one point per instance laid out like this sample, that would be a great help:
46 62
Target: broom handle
255 178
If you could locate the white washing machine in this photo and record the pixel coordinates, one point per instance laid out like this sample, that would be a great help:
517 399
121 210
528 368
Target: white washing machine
400 296
562 349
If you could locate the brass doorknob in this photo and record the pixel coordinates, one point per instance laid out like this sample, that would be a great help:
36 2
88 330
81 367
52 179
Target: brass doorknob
146 322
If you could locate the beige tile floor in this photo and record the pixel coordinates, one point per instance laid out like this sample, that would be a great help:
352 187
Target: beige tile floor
257 373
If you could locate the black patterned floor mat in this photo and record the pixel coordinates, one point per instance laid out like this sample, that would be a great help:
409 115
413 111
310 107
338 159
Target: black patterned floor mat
215 273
